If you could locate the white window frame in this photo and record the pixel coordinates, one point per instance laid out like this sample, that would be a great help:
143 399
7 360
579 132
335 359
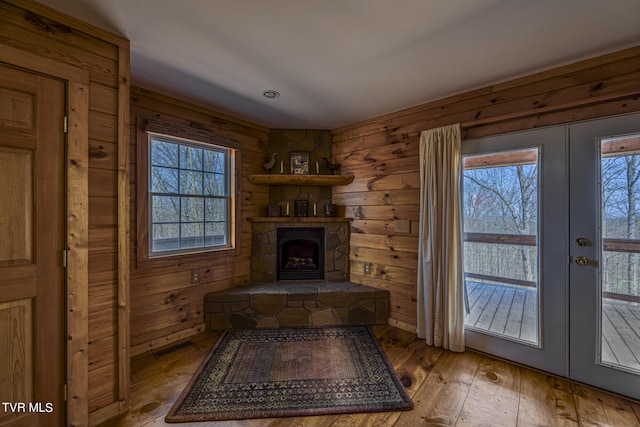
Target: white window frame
183 196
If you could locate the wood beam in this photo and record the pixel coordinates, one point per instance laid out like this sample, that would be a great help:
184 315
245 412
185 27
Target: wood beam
512 158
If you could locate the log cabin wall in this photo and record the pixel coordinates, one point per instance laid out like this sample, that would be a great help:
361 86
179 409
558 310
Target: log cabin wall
383 155
42 32
165 305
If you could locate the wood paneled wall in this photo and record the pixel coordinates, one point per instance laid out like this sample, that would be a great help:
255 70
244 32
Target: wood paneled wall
165 305
382 153
63 41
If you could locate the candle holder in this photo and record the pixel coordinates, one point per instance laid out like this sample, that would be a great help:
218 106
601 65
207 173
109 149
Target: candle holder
274 210
330 210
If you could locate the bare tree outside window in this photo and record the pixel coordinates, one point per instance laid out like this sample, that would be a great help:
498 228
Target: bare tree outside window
620 193
502 201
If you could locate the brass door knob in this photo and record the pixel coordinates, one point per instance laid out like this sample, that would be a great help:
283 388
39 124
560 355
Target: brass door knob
582 260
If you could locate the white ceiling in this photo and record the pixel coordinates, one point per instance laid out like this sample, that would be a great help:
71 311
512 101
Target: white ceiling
337 62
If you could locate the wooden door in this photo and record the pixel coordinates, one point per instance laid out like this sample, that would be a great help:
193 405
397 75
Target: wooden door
32 239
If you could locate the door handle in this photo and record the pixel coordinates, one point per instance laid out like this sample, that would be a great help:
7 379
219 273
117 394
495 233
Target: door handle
582 260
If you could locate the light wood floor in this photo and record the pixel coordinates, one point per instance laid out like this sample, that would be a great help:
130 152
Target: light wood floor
448 389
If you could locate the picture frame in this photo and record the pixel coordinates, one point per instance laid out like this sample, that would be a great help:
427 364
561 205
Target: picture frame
301 208
299 163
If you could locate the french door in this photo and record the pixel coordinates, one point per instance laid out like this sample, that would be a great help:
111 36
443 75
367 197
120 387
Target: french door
514 216
552 249
604 232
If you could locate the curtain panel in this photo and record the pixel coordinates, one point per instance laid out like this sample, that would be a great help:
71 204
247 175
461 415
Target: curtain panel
440 277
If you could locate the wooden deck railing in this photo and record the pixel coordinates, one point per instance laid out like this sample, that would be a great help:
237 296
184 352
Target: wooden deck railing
613 245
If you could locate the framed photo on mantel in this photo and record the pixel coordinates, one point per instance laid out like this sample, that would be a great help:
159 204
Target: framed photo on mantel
299 163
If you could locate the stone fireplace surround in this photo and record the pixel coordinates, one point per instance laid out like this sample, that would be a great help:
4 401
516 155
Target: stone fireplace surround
268 303
264 248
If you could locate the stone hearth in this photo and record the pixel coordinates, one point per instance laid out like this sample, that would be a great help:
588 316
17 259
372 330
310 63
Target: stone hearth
268 302
289 304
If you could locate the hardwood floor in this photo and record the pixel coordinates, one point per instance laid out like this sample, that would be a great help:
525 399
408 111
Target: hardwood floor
448 389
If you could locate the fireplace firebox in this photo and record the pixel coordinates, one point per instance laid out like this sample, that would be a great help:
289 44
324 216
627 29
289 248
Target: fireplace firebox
300 253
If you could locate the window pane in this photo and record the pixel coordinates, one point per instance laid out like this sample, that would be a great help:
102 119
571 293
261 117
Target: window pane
215 184
190 158
501 253
192 209
214 161
216 210
190 182
164 153
164 180
192 235
166 237
501 200
620 273
165 209
216 233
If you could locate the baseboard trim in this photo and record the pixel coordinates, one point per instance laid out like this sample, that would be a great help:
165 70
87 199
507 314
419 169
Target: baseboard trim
108 412
167 340
401 325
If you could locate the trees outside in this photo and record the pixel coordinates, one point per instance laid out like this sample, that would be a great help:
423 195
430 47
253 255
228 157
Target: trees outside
501 200
620 193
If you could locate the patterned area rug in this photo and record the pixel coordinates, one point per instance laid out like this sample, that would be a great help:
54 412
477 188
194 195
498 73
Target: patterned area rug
268 373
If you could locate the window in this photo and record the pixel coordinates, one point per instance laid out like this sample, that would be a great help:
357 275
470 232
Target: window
186 193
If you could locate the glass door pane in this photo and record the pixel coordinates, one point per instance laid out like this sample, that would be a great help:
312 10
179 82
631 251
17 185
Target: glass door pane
501 268
620 272
515 246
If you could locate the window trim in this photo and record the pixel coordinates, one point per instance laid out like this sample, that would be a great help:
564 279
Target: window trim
147 127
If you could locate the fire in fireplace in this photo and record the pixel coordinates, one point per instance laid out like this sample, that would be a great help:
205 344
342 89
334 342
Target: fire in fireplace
300 253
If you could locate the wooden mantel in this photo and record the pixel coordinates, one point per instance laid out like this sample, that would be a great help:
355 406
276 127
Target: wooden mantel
297 219
281 179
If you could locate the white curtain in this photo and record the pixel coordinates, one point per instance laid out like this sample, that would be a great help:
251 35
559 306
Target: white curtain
440 280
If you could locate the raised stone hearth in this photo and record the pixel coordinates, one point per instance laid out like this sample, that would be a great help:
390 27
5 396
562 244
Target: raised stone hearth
288 304
272 301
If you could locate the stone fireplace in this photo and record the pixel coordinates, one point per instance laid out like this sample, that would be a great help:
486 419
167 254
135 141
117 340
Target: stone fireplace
299 264
300 249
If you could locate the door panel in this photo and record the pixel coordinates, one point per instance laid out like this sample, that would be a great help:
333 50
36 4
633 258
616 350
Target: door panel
604 285
17 225
517 292
32 228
